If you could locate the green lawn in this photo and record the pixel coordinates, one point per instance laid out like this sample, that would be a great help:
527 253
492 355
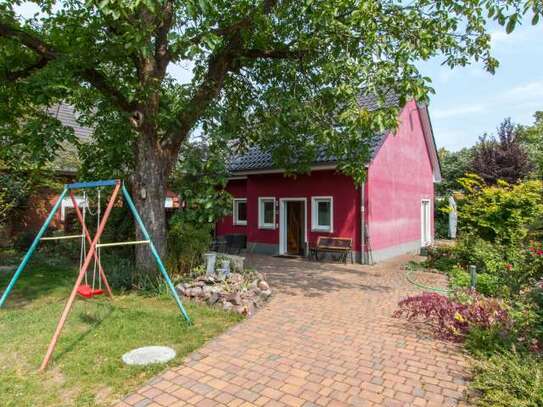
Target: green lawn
86 369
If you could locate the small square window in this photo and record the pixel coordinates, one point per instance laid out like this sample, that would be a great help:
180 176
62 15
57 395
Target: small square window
322 214
266 213
240 211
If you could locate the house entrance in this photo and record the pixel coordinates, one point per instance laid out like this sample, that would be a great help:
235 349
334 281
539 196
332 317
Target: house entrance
292 225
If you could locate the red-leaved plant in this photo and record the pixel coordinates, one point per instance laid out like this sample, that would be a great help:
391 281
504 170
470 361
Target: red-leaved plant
451 319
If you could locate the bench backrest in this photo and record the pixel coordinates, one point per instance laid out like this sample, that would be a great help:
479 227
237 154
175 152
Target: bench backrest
335 242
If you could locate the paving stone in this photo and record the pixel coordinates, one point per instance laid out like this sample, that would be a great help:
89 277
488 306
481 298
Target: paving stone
327 338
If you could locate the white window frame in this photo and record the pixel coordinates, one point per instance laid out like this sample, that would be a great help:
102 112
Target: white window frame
67 203
315 227
235 219
261 223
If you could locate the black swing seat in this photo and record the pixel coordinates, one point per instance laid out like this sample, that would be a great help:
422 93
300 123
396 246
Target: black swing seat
87 291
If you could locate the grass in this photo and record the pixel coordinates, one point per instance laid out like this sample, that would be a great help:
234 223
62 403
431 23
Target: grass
86 369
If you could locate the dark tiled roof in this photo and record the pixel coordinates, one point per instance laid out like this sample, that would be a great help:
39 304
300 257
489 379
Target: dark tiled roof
67 115
67 159
256 159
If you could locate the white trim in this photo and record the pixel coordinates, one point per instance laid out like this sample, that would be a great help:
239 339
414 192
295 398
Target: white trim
425 229
315 227
283 222
68 203
261 224
239 174
426 123
235 219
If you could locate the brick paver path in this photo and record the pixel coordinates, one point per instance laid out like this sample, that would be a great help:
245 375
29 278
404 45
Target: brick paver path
326 339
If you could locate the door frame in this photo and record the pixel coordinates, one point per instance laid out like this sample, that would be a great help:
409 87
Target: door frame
283 223
428 228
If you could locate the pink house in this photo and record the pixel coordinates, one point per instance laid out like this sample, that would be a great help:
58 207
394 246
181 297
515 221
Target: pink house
391 213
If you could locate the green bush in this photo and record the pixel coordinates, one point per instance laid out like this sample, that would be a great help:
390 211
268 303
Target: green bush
509 379
440 258
187 242
487 284
501 213
24 240
441 218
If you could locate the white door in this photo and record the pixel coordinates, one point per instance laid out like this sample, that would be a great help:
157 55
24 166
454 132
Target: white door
425 223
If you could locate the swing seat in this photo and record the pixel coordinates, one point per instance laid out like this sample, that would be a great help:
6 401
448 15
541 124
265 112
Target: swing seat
87 291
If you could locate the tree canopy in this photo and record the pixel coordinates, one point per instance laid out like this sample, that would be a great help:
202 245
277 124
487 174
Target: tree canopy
284 74
503 157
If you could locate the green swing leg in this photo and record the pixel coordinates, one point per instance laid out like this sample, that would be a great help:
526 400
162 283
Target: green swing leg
32 248
154 253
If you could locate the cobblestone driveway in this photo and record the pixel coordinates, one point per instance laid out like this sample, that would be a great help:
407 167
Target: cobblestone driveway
326 339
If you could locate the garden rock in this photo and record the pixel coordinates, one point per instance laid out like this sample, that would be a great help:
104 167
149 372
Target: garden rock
239 292
263 285
234 298
214 298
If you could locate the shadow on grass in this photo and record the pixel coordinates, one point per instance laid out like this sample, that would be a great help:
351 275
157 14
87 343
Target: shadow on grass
93 321
39 280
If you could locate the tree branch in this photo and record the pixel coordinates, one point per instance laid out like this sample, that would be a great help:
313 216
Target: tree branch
162 53
219 65
27 71
274 53
48 53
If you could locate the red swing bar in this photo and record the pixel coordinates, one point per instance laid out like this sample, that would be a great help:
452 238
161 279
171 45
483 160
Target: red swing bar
84 289
82 272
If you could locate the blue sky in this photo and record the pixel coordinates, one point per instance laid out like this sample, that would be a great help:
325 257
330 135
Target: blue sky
469 101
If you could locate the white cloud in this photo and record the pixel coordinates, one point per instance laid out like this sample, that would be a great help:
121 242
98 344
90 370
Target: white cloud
457 111
530 90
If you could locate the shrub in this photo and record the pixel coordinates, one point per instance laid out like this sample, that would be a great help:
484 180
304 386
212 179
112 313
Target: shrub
509 379
499 214
24 240
452 319
487 284
187 242
441 258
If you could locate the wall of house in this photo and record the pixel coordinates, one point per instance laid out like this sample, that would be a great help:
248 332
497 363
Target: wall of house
346 203
399 177
30 217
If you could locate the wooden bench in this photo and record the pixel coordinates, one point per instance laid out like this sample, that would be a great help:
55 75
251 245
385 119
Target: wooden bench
339 245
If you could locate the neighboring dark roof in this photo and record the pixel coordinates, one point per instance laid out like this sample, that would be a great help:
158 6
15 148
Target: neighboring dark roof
67 159
67 115
256 159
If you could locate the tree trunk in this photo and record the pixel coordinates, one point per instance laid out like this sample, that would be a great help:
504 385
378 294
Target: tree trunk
149 193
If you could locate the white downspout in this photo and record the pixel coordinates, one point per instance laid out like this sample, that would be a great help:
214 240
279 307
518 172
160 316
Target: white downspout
362 224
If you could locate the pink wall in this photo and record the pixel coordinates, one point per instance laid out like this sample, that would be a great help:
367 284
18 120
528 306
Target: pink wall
398 179
320 183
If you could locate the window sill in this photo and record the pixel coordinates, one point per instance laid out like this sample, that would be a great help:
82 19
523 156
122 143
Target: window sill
266 227
322 230
240 223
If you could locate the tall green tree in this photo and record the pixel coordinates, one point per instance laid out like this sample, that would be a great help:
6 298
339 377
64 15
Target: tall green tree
285 74
454 165
532 139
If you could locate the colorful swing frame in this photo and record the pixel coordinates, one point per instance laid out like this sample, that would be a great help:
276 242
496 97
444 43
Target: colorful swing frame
91 254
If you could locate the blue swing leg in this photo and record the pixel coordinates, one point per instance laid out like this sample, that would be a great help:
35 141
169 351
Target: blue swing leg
32 248
161 267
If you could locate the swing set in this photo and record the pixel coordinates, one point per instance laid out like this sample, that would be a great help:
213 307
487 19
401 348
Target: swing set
98 281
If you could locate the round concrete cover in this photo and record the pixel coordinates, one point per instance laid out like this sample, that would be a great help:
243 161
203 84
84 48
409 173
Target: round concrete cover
148 355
